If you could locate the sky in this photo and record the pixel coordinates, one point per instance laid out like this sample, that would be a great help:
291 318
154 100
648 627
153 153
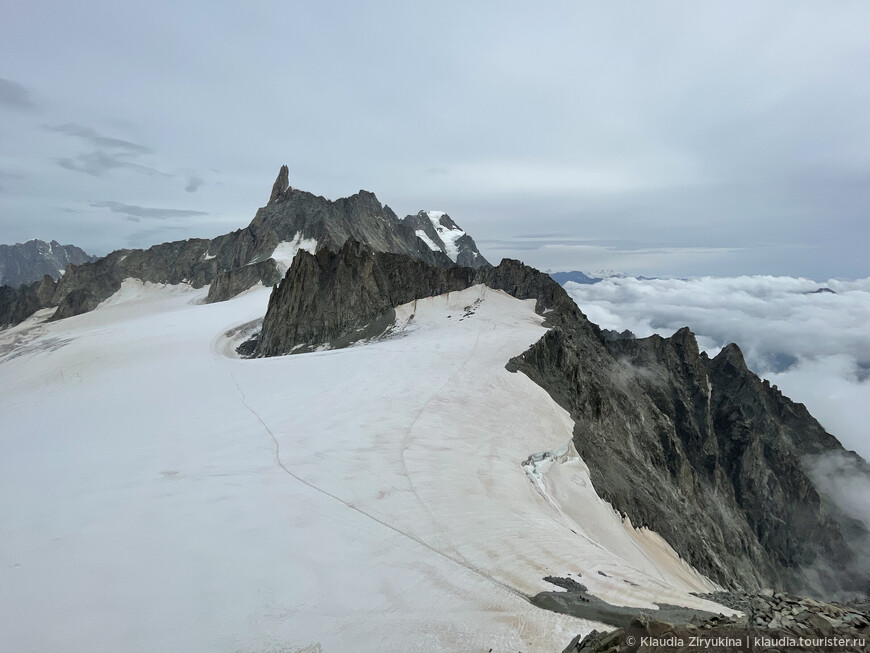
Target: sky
667 138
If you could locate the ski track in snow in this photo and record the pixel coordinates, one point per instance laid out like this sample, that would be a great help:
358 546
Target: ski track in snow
141 503
462 563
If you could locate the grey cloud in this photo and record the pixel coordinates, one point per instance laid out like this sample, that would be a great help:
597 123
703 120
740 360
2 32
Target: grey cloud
134 213
842 479
98 163
113 153
15 96
11 176
95 138
193 184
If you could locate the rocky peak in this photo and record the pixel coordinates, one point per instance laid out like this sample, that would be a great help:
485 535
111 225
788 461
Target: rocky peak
732 356
281 185
440 233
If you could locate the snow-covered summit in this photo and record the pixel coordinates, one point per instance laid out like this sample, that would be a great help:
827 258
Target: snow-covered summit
441 234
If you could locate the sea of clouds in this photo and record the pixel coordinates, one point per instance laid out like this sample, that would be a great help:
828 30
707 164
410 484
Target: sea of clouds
814 345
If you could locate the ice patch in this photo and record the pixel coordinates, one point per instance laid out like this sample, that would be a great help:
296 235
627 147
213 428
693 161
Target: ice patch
287 250
422 236
448 236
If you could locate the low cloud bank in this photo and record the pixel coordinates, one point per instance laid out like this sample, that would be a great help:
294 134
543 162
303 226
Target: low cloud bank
814 345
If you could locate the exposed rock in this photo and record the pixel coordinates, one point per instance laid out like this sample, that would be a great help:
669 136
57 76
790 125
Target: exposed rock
438 229
177 262
76 302
25 263
17 304
577 602
227 285
766 624
282 183
334 298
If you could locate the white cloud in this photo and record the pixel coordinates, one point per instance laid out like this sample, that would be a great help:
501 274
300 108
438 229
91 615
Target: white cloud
814 345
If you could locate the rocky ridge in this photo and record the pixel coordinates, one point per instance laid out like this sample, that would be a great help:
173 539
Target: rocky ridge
705 454
334 299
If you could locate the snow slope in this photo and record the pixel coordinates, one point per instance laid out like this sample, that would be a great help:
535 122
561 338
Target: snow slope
161 495
286 251
448 235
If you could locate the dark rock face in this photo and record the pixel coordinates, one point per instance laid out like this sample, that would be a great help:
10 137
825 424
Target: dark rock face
227 285
337 298
25 263
282 183
17 304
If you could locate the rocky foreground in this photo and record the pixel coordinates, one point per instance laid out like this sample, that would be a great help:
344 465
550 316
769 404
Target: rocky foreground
769 621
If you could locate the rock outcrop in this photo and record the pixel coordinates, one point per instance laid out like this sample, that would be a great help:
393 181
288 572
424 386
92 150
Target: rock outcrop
334 299
337 298
27 263
17 304
770 621
230 283
282 183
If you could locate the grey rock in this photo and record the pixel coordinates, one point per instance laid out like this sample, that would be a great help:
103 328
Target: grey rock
25 263
17 304
282 183
230 283
335 298
434 229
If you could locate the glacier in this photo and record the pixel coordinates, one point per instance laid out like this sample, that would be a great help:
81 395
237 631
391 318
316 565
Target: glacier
162 493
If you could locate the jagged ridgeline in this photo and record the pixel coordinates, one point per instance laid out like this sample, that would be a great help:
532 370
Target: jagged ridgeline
699 450
293 220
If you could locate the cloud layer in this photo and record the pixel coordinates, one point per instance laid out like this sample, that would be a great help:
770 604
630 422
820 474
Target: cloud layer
814 345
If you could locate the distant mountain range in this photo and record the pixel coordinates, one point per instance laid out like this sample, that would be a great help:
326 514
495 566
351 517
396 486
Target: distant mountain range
28 262
591 277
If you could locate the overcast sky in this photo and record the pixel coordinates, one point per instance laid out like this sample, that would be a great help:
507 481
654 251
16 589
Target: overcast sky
667 138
